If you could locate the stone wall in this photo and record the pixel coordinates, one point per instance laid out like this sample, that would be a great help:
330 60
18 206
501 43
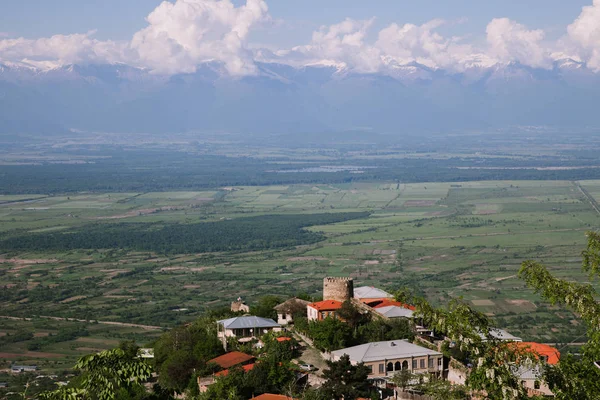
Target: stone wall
340 289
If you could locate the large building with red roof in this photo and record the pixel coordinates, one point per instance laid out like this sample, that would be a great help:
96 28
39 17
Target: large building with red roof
233 358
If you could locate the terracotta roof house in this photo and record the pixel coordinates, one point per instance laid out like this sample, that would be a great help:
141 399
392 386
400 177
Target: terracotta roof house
389 302
230 359
322 309
384 359
245 328
245 368
370 293
545 353
287 309
269 396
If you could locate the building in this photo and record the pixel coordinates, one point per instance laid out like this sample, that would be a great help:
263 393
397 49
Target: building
370 293
17 369
239 306
542 352
269 396
286 310
384 359
146 353
531 378
3 385
245 328
394 312
338 289
322 309
502 335
231 359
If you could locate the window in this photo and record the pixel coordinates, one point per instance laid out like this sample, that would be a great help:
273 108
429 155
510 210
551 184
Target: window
440 362
397 366
390 367
422 364
414 364
370 367
536 385
283 316
430 363
381 370
405 364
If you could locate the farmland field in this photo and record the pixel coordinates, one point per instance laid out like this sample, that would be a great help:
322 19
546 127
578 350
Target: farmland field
442 240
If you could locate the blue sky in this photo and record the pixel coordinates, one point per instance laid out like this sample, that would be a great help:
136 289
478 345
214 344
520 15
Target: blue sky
120 19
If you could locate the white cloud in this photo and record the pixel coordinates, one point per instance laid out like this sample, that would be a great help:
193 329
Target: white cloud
584 34
422 44
511 41
65 49
183 34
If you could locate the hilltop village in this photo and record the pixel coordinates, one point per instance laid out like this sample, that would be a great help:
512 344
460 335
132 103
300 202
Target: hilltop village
354 343
364 327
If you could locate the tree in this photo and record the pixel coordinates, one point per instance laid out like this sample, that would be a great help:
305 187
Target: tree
265 307
439 389
104 375
329 334
344 380
493 360
404 379
574 377
351 315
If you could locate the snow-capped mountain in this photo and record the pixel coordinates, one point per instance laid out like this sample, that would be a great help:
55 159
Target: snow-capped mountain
280 98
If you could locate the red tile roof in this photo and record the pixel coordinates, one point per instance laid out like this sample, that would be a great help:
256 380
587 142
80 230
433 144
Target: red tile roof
269 396
387 302
538 349
283 339
231 359
246 368
326 305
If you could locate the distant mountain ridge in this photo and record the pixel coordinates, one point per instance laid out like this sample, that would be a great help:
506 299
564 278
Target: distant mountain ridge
284 99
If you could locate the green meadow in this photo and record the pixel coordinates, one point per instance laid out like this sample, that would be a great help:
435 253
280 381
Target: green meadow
441 240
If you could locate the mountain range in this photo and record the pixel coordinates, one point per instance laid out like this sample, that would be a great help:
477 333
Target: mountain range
409 98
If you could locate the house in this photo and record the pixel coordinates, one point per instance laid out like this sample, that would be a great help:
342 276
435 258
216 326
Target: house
378 303
322 309
269 396
395 312
205 382
384 359
369 293
542 352
245 328
232 358
146 353
286 310
502 335
532 380
16 369
3 385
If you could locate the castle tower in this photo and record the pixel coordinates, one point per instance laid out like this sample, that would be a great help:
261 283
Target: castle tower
340 289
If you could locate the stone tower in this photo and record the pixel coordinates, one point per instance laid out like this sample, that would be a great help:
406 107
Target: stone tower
340 289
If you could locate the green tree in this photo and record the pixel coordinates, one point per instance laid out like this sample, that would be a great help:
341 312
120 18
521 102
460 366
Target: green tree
574 377
264 307
352 315
344 380
330 334
104 375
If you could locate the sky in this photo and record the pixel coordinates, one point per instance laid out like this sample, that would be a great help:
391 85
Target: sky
369 36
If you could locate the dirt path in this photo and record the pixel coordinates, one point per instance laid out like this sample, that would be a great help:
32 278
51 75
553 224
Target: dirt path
91 321
588 196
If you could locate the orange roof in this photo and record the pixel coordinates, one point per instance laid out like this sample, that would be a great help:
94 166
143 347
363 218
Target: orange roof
326 305
269 396
387 302
231 359
283 339
246 368
542 350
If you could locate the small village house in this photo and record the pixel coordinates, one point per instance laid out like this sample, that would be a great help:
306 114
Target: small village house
286 310
245 328
384 359
323 309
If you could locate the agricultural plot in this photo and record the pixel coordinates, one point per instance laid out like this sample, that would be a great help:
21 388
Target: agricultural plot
442 240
